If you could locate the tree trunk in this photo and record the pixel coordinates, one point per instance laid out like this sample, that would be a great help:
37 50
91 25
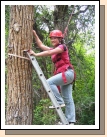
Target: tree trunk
60 16
19 79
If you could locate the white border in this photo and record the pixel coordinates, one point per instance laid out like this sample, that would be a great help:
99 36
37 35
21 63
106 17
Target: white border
96 126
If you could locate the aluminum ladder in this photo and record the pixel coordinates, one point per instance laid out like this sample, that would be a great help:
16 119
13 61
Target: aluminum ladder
48 89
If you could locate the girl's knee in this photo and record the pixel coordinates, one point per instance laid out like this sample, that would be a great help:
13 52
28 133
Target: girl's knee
49 81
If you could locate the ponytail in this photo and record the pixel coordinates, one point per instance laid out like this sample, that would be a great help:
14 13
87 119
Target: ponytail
62 41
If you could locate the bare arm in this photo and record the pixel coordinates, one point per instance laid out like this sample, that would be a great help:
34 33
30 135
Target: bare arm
39 42
47 53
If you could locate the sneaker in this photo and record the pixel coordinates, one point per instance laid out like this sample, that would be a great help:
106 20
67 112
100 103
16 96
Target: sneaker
70 123
62 105
59 123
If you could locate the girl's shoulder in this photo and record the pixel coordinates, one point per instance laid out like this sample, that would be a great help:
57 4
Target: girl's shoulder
63 47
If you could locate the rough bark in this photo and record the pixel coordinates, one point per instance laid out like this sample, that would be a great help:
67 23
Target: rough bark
60 14
19 78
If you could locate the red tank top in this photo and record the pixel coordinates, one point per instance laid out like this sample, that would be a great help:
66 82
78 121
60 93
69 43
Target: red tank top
62 62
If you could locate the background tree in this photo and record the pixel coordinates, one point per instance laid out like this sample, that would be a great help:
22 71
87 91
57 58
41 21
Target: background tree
19 71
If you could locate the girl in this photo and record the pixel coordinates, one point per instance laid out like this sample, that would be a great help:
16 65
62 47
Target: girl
64 74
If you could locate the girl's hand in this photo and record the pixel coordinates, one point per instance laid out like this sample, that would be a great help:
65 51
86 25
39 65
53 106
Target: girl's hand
34 32
31 52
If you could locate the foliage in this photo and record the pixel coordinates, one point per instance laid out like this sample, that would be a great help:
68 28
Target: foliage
85 109
7 16
42 115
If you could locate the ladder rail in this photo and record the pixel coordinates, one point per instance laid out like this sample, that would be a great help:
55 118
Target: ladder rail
48 89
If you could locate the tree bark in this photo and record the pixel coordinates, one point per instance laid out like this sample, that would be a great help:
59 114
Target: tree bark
19 79
60 14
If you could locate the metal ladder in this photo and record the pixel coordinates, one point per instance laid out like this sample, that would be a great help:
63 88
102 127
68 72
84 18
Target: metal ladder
48 89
